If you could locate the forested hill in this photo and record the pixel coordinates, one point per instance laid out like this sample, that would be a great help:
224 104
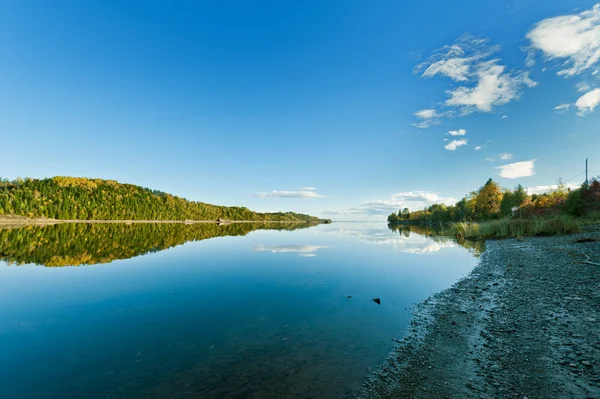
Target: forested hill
72 198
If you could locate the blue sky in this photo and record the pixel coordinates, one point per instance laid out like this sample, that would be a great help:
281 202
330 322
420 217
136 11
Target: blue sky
339 108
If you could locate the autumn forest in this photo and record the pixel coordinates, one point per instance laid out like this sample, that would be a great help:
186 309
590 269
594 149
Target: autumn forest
72 198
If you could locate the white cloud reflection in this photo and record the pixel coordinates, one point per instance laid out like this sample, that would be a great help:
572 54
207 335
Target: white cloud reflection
414 243
301 250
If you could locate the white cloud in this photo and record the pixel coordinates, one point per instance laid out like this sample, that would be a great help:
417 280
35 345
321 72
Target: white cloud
486 82
426 124
427 114
301 250
561 108
573 38
454 144
478 147
459 132
429 118
410 199
305 192
547 189
490 159
517 169
583 86
455 68
504 156
588 102
456 60
504 117
494 87
530 58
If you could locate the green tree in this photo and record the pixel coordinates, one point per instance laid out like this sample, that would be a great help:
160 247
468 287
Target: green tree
574 205
508 202
520 195
405 213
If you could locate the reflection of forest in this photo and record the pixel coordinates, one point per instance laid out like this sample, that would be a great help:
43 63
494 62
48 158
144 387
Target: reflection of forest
437 234
74 244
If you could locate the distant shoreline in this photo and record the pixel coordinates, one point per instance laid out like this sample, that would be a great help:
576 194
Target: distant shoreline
9 220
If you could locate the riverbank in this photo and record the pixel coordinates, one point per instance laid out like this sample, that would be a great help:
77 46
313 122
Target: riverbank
524 323
19 221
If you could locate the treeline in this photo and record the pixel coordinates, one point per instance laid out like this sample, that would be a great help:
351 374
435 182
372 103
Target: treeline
74 244
70 198
491 202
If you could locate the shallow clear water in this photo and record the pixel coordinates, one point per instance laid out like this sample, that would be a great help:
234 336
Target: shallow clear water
264 315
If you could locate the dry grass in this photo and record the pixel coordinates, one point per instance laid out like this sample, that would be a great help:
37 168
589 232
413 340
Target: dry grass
503 228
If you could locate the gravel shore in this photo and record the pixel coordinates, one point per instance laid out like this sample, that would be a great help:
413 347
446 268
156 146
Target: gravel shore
524 324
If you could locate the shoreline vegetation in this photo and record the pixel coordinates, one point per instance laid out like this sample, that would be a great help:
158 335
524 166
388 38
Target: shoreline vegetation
19 221
492 212
75 199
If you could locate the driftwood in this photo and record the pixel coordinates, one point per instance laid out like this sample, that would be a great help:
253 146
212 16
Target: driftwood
588 260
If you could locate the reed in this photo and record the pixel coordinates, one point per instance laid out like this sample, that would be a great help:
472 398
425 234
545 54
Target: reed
507 227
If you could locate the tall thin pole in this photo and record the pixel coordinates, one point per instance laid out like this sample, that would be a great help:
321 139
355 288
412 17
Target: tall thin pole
586 176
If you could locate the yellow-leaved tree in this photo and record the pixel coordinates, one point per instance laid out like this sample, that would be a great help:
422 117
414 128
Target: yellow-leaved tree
488 200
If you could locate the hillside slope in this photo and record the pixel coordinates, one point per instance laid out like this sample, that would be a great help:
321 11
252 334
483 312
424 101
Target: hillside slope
70 198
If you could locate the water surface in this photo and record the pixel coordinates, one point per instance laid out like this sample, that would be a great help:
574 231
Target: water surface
189 311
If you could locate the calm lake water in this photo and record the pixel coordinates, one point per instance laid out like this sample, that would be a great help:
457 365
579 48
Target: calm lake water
248 313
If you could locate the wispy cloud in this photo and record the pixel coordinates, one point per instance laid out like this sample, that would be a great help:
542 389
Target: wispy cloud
588 102
459 132
504 116
478 147
304 192
561 108
583 86
427 114
574 39
429 117
454 144
409 199
490 159
504 156
486 83
449 61
517 169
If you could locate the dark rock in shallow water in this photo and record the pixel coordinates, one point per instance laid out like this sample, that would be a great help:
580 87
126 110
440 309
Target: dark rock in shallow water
587 239
377 301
